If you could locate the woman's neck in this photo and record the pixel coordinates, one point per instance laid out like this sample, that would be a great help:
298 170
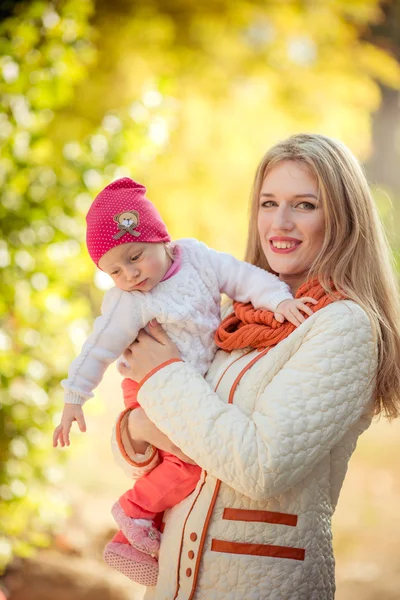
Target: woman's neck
294 281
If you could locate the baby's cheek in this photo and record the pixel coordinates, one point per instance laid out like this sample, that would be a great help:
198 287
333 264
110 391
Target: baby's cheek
156 267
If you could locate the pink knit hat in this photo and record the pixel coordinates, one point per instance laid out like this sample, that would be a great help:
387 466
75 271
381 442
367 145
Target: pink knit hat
121 214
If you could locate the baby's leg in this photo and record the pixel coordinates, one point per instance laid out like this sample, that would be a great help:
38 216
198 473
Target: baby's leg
166 485
119 554
129 392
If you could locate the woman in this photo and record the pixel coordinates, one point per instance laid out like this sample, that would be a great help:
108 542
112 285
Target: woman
274 430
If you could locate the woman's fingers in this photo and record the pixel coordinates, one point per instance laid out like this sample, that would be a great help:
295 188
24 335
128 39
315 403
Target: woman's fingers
158 333
148 352
140 340
145 341
123 369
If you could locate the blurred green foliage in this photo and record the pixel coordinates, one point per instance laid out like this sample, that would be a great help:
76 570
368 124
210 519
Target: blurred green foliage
47 291
44 54
180 95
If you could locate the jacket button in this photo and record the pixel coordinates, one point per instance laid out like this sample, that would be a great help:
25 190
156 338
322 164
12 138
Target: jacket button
191 554
193 536
188 572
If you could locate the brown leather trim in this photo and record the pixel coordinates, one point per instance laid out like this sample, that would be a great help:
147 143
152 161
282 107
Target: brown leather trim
207 518
183 535
121 445
164 364
203 537
218 484
258 549
229 366
247 367
260 516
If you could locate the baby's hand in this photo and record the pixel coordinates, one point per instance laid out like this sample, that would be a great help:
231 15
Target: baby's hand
290 310
71 413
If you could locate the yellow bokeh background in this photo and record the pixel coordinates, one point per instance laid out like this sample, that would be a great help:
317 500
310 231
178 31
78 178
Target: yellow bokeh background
184 97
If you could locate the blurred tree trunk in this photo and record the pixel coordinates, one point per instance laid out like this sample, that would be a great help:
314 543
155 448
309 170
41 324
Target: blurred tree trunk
7 7
383 165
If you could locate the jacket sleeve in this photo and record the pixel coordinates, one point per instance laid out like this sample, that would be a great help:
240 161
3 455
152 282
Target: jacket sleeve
113 331
244 282
317 395
134 465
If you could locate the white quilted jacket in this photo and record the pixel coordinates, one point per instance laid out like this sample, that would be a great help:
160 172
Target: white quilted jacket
280 450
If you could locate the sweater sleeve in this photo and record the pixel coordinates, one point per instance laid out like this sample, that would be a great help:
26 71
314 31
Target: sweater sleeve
316 396
244 282
113 331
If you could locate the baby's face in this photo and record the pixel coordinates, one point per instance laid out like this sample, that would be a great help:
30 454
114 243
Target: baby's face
136 266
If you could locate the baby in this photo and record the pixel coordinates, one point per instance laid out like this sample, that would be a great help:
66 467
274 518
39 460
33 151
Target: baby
179 284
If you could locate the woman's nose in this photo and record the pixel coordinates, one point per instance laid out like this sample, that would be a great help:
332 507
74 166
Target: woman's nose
282 219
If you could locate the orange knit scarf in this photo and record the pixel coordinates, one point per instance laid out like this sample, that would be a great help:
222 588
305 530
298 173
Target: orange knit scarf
248 327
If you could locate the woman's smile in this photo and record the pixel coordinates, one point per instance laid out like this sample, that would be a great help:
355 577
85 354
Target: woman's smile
284 245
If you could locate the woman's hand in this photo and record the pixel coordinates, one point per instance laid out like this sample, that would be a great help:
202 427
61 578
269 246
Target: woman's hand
148 352
145 354
141 429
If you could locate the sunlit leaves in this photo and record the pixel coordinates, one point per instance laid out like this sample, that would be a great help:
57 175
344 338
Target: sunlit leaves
48 289
45 51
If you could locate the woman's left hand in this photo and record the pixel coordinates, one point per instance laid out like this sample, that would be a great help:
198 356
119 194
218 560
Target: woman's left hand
148 352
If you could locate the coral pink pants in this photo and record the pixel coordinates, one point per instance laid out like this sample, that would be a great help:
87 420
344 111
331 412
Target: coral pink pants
163 487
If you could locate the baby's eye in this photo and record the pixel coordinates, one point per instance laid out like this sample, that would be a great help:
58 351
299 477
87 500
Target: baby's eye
135 257
114 273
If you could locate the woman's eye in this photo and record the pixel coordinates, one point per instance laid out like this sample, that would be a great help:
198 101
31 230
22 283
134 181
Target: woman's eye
306 205
267 203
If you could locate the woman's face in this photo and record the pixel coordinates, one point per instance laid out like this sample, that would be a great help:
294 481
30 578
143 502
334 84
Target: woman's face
290 221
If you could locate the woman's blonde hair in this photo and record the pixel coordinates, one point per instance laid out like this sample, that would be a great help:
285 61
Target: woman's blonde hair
355 254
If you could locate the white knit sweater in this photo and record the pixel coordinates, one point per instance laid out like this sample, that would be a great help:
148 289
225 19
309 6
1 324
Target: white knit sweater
187 306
